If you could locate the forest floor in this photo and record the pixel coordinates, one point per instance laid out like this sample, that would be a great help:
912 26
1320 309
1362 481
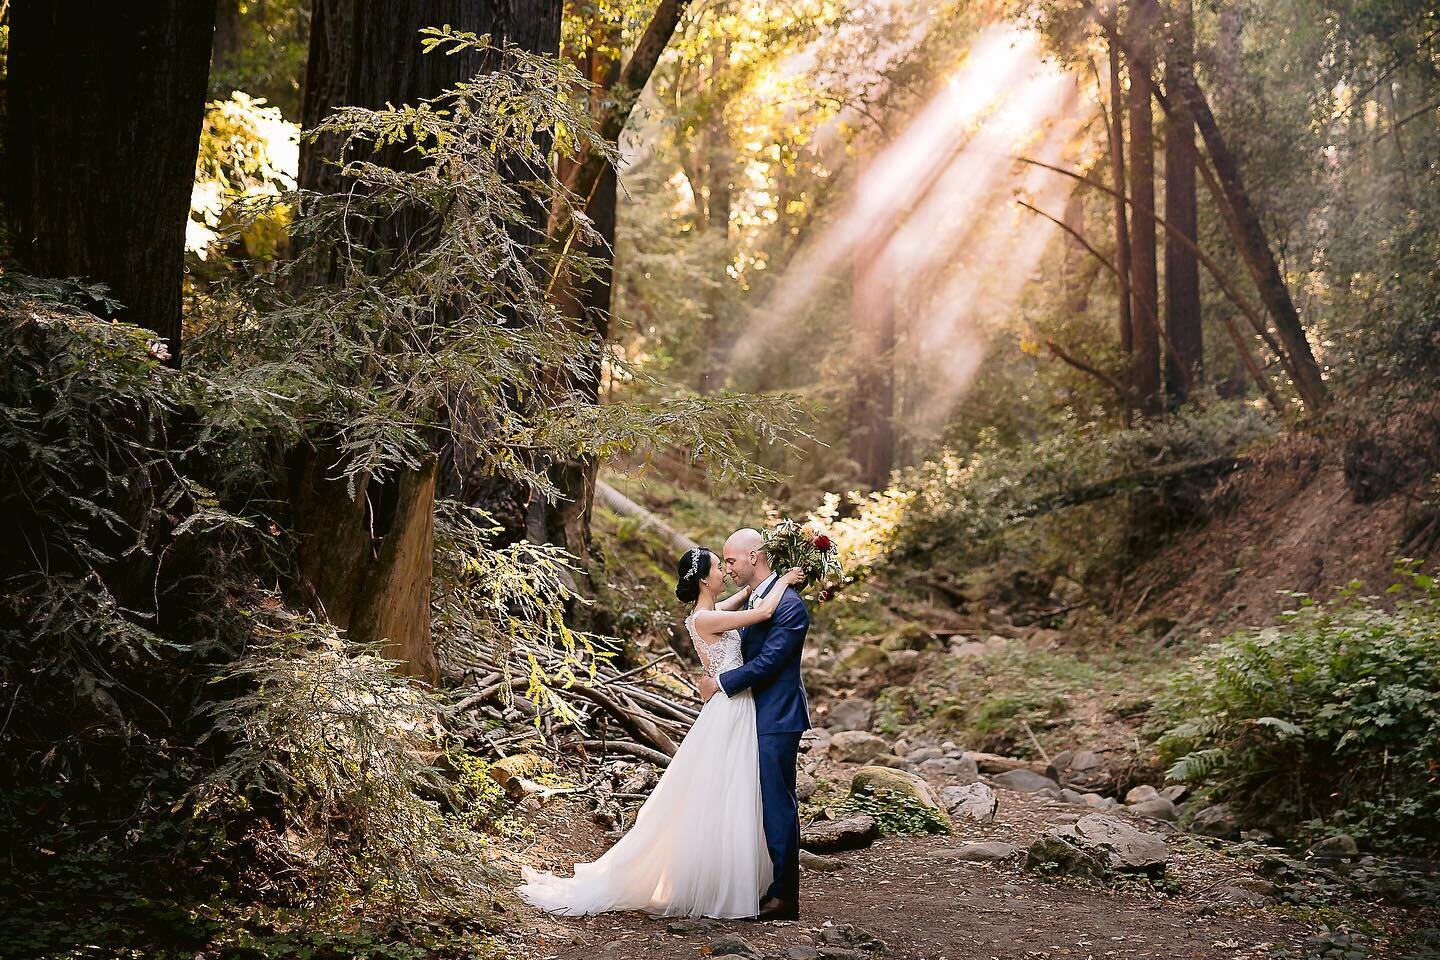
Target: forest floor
924 902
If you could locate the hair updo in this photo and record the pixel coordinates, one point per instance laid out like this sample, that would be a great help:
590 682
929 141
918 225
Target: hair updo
693 567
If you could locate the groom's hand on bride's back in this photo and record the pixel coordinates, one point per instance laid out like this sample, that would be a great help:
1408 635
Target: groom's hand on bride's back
708 688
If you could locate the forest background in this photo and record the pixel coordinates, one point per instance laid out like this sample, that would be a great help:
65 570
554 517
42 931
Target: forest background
364 371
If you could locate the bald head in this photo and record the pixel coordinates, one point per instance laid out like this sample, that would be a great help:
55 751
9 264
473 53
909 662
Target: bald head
744 558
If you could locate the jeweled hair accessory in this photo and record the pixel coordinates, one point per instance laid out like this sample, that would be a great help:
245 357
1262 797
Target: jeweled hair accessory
694 570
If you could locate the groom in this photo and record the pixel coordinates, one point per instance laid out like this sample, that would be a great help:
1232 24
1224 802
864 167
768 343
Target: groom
772 672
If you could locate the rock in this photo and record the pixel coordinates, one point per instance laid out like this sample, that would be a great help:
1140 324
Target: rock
853 714
692 925
901 748
987 851
1233 894
802 952
921 754
1264 837
815 742
805 785
884 779
965 771
864 659
840 953
1141 793
1083 770
836 836
1337 847
516 773
889 760
730 945
994 763
1099 802
1174 792
1053 853
845 935
1216 821
1157 807
1114 843
822 864
974 801
1025 781
856 746
1072 796
903 658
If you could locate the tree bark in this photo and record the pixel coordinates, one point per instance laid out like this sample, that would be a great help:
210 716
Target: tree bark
105 105
1184 361
366 562
1144 284
1122 214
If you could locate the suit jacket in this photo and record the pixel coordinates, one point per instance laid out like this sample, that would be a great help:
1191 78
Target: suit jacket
772 667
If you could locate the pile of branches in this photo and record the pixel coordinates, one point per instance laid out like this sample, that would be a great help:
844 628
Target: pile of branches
642 712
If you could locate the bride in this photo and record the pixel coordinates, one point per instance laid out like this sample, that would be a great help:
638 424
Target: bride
698 845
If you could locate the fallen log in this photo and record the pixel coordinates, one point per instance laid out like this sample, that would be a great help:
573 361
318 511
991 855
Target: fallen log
602 747
1214 468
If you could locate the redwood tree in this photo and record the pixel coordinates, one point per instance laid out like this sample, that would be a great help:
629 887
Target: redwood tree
105 102
1184 361
366 560
1144 283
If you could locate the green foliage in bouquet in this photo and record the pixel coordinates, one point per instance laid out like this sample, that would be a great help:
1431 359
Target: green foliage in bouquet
788 544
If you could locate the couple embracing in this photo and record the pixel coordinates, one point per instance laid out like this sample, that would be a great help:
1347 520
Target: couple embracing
720 834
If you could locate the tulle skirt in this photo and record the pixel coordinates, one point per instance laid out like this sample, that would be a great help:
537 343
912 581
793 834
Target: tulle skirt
697 848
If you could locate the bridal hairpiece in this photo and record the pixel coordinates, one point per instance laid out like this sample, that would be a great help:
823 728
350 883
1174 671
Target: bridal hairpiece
694 565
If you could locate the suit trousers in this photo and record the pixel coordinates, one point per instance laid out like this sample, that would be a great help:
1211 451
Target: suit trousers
781 812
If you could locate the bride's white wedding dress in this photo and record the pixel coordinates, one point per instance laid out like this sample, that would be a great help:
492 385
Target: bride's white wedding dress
697 848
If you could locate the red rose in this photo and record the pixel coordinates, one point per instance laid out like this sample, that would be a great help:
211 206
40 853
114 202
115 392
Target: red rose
825 595
823 543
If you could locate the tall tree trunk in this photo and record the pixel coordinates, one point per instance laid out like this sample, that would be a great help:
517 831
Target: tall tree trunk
567 521
367 561
1122 217
872 409
1144 283
1185 359
105 104
719 171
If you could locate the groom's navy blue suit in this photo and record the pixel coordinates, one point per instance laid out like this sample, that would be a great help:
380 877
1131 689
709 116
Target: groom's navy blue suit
772 673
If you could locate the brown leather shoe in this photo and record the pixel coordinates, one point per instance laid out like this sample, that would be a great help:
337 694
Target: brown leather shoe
776 909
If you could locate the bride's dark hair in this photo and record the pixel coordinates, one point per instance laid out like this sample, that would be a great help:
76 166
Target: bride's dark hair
693 567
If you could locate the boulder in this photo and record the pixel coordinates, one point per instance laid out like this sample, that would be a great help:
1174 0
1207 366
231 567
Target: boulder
887 780
1125 847
1157 807
823 864
692 925
1217 821
1175 792
1099 802
974 801
921 754
857 713
836 836
815 742
731 945
964 771
845 935
805 786
864 659
1084 770
988 851
994 763
1141 793
1337 847
889 760
1054 853
856 746
1025 781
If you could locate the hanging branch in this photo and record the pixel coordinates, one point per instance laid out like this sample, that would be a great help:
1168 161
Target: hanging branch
1084 367
1253 366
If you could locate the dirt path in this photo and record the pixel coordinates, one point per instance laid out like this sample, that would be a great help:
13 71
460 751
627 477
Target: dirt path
916 896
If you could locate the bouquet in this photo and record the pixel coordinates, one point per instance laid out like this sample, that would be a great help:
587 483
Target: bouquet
788 544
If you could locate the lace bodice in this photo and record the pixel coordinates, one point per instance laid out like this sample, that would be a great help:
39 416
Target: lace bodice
724 654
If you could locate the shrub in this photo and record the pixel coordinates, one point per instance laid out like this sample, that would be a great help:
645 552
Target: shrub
1332 717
